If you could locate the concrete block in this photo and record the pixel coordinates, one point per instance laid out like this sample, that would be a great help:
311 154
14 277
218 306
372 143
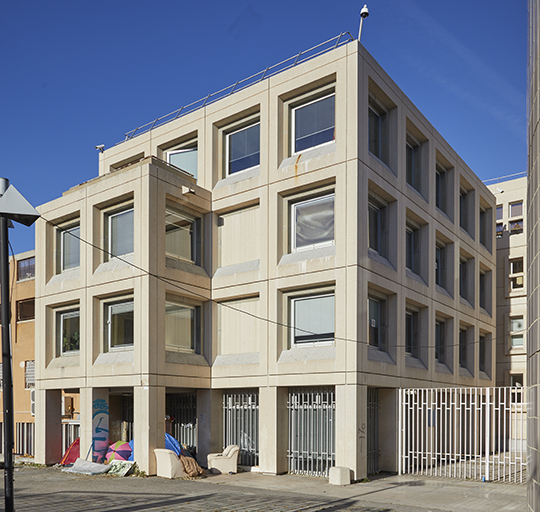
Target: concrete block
339 476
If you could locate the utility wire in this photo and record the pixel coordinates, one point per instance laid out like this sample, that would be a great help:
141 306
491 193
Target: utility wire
224 304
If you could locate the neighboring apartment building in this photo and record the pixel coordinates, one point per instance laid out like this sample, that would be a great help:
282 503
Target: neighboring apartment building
511 298
22 280
288 256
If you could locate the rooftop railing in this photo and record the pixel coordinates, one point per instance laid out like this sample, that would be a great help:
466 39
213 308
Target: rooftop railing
303 56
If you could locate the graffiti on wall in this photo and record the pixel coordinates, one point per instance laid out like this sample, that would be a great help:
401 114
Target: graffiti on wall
100 429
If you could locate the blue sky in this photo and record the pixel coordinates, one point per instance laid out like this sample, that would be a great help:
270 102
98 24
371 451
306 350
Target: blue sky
77 74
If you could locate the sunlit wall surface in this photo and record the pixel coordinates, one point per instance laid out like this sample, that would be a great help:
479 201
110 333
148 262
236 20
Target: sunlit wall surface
533 248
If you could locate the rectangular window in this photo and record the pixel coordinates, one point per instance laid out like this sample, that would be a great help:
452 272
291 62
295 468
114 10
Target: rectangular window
463 210
413 162
377 322
517 328
441 177
120 231
412 249
312 223
463 281
463 348
183 327
516 282
482 354
29 374
440 265
378 228
499 230
68 331
119 324
516 266
485 227
185 158
378 130
516 209
312 319
515 227
182 236
440 341
499 212
313 124
26 269
69 241
243 149
26 310
482 291
412 321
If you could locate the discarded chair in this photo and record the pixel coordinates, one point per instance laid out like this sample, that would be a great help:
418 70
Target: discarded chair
225 462
168 464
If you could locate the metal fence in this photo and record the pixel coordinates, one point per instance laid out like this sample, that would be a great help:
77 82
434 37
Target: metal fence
469 433
241 425
70 432
183 408
372 431
340 40
25 441
312 419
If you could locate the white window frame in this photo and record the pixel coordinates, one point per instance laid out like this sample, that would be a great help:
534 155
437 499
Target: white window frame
197 328
514 333
293 124
293 223
191 145
109 217
314 343
107 305
67 313
227 150
196 236
67 231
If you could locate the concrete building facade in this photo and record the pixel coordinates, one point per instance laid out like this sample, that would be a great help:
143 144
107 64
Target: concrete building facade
533 257
511 295
309 243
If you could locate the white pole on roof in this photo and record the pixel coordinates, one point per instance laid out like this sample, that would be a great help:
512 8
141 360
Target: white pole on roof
364 13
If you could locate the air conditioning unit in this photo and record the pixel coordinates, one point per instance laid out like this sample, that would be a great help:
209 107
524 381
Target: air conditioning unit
33 402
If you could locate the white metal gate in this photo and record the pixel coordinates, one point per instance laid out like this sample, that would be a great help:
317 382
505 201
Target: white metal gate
312 419
25 438
241 425
473 433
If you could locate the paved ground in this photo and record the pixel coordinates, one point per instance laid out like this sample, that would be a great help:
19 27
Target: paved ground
50 490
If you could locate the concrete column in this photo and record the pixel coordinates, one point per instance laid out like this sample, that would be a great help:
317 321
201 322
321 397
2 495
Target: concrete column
209 423
100 423
351 425
85 410
149 419
48 426
273 430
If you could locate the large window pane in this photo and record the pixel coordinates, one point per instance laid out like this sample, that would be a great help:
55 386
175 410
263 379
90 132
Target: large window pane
516 209
26 268
313 319
182 326
71 248
180 236
69 331
314 124
119 324
243 149
313 222
121 231
185 159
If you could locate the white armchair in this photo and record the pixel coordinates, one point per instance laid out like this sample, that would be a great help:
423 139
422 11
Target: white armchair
168 464
225 462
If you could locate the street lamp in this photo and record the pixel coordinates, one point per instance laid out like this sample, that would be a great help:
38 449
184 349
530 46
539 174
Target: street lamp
13 207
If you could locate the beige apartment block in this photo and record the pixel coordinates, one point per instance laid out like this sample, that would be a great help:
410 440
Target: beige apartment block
267 270
511 297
